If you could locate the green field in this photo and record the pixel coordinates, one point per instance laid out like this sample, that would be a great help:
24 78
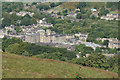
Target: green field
72 5
15 66
112 12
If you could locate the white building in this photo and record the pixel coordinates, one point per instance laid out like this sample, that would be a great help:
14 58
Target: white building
93 9
82 36
23 13
1 33
72 15
92 45
110 16
44 24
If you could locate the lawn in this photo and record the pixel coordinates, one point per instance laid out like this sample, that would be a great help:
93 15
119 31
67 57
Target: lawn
112 12
15 66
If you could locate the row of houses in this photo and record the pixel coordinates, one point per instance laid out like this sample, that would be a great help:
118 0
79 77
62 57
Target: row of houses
34 34
44 24
113 42
111 16
107 55
82 36
47 37
23 13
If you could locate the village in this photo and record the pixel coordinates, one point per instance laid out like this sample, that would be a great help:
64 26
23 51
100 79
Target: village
37 34
59 39
34 34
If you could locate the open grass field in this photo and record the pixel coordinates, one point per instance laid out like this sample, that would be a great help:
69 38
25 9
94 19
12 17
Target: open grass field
69 5
114 12
15 66
97 4
72 5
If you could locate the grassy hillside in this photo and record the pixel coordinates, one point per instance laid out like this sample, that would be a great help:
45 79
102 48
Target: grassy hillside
96 4
69 5
72 5
15 66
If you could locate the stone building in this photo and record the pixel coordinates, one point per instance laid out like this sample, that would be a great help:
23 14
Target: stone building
47 37
110 16
114 44
1 33
44 24
82 36
32 38
107 55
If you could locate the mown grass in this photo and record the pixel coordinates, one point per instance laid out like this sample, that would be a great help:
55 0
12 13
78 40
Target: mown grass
112 12
15 66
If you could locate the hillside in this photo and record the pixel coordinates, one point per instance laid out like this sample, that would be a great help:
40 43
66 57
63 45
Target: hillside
15 66
72 5
69 5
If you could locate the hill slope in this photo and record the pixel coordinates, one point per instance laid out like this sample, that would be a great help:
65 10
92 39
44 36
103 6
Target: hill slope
72 5
15 66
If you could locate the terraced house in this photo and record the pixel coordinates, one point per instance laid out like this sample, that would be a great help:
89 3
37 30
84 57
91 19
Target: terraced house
47 37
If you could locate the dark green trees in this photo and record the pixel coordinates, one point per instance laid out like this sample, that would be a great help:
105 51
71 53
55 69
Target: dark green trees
79 16
8 42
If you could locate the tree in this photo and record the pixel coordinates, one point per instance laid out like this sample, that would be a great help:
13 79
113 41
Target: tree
45 7
65 11
83 49
59 13
88 50
79 16
96 6
113 62
14 48
8 42
97 60
93 17
81 5
103 11
34 3
84 16
39 16
106 11
25 21
18 29
84 23
52 5
106 42
27 16
13 6
83 11
112 5
50 20
98 50
79 48
58 3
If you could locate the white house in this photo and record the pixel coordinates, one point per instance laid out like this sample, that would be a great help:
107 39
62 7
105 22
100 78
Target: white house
93 9
1 33
92 45
23 13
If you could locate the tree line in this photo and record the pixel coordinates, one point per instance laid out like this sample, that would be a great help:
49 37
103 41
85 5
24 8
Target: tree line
16 46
